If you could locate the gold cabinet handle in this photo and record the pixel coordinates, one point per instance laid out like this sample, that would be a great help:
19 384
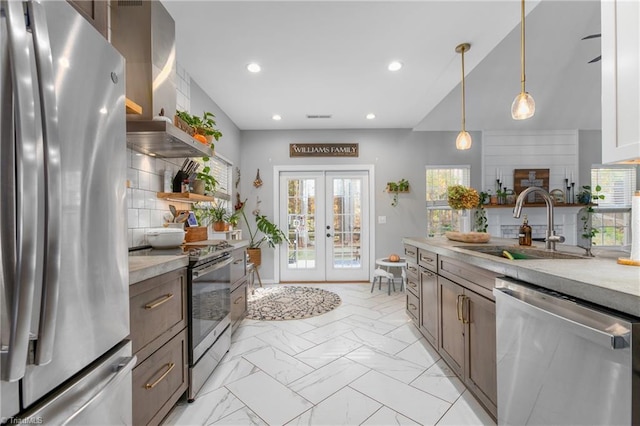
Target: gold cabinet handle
428 259
466 302
154 384
235 302
412 284
412 253
412 306
459 307
412 269
159 301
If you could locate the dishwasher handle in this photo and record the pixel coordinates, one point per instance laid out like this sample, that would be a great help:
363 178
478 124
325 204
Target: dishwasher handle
598 326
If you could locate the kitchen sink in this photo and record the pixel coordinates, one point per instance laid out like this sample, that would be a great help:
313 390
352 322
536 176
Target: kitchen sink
522 253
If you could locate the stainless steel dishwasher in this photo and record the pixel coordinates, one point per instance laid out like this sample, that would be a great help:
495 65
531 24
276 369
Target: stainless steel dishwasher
564 362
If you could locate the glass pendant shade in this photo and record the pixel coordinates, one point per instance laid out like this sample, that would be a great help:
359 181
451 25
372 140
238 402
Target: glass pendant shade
523 106
463 141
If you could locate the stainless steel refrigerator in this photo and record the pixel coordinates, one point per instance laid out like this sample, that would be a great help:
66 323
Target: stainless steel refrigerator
64 269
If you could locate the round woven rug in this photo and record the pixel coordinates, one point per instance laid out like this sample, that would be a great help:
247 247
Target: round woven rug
290 302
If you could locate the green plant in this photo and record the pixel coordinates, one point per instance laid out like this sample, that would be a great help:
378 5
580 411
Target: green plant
270 232
218 214
587 196
210 183
480 215
396 187
204 125
234 219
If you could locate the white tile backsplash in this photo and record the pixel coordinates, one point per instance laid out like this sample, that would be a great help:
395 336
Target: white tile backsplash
146 179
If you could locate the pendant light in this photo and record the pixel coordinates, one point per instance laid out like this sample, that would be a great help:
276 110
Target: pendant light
523 106
463 141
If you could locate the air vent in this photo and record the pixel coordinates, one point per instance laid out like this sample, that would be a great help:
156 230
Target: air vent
318 115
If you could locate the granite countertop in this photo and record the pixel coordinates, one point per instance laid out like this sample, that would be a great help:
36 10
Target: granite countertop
600 280
145 267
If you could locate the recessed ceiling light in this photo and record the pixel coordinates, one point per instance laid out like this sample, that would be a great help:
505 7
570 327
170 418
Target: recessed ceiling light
276 117
395 66
253 67
371 116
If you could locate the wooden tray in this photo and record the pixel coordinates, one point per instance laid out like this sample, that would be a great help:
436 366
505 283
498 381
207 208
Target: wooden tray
468 237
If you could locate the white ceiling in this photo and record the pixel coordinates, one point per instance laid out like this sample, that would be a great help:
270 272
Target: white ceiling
331 57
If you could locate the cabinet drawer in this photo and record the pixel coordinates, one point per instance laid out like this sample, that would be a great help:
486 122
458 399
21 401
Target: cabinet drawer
238 305
413 285
413 307
412 270
157 306
411 253
159 381
239 265
428 259
472 277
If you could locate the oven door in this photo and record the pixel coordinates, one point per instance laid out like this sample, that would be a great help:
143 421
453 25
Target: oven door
210 304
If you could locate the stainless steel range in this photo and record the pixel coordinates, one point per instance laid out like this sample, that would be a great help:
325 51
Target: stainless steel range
209 288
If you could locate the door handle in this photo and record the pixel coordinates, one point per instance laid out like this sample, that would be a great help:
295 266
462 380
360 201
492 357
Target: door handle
53 183
328 235
328 227
459 307
25 212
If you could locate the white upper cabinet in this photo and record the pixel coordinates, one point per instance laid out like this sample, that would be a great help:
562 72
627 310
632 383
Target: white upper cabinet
620 81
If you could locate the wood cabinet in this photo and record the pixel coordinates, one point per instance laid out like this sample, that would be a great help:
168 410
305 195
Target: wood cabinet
94 11
620 84
239 285
158 316
452 304
429 306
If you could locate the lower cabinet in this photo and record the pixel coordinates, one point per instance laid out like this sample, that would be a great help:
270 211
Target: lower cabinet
158 318
239 303
453 307
429 306
159 381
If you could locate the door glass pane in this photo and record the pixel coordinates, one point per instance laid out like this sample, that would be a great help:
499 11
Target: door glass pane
301 219
347 220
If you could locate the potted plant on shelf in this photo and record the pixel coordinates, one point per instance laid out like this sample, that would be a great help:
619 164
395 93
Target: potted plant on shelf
480 215
589 197
396 187
203 128
209 182
219 217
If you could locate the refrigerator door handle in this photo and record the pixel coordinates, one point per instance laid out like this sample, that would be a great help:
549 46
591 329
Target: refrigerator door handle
26 197
53 183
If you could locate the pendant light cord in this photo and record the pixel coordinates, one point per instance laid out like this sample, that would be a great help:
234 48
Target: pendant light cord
463 103
522 76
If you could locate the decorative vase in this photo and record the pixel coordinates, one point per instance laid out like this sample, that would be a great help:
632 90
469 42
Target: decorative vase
198 186
464 224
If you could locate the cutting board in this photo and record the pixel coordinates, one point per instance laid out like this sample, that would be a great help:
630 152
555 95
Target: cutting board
468 237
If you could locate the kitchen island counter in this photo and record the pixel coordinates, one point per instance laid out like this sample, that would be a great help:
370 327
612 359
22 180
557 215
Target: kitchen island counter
598 280
144 267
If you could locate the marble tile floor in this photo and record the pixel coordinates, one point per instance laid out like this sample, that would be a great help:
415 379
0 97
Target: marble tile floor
363 363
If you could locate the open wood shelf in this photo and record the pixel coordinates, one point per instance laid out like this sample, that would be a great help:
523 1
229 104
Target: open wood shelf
132 107
185 197
511 206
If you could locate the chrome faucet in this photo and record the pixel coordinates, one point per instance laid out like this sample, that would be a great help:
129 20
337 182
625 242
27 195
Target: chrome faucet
551 238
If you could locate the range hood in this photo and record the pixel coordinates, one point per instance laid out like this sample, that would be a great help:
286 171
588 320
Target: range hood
144 33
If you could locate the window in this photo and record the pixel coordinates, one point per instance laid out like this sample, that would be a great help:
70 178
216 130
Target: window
440 217
222 171
612 215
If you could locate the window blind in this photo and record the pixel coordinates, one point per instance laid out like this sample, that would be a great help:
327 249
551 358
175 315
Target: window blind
617 182
439 178
222 172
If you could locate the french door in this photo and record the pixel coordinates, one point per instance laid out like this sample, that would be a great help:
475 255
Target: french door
327 217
